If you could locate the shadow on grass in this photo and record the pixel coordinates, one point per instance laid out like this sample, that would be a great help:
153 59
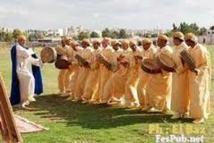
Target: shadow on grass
58 109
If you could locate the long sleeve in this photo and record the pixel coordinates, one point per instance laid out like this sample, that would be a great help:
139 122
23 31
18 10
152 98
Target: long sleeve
35 62
180 67
22 53
200 55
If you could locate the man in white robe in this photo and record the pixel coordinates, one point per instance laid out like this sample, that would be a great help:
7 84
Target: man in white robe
26 82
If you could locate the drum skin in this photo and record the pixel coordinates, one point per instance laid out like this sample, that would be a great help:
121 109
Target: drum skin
187 58
150 66
48 55
166 63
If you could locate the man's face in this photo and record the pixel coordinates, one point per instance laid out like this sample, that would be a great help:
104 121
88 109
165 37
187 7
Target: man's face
133 47
116 47
84 45
96 45
104 43
68 41
125 46
146 46
176 41
161 43
22 41
190 43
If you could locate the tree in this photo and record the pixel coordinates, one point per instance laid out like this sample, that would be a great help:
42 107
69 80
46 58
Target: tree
194 28
8 37
147 35
175 28
35 36
139 34
186 28
16 33
169 33
75 37
123 34
202 31
31 37
115 35
94 35
2 35
154 35
106 33
83 35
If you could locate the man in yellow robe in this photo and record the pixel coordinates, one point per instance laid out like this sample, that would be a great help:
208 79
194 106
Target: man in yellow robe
131 96
91 84
199 80
159 87
72 73
119 78
63 83
148 52
104 73
108 93
180 95
86 54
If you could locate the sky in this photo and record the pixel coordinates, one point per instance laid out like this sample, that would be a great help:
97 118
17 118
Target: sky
98 14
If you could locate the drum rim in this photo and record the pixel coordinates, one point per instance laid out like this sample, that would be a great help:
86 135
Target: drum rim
190 66
147 70
62 67
54 54
164 66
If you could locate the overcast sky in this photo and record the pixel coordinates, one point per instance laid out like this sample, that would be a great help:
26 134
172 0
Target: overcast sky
98 14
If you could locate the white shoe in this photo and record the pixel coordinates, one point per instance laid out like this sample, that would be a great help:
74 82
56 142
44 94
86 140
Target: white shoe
70 98
76 99
133 105
199 121
25 104
176 116
84 101
165 111
114 99
146 109
92 101
60 93
185 115
65 94
95 102
32 99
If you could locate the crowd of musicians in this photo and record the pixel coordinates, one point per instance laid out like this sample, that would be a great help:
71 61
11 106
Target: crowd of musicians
108 71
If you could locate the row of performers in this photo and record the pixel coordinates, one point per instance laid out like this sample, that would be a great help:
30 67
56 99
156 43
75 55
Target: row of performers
110 72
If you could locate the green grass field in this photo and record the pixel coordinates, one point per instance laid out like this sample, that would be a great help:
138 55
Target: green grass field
77 123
